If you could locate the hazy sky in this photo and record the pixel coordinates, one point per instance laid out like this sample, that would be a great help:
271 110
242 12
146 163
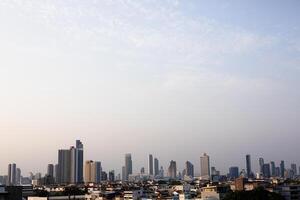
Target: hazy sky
171 78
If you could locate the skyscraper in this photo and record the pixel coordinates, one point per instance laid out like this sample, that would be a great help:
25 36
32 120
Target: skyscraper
123 173
205 167
248 166
294 169
273 169
92 172
150 165
79 162
189 169
261 164
18 176
70 164
50 170
172 170
111 176
156 167
98 172
12 174
88 174
233 173
64 165
128 166
282 169
266 171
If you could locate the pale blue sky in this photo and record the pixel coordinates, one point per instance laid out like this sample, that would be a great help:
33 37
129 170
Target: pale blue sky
171 78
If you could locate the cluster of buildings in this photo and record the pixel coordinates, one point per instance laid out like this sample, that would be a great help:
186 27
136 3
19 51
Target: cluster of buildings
88 175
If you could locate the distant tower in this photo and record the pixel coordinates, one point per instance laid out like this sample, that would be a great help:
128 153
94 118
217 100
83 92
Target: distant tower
282 169
88 171
50 170
261 164
12 174
205 167
189 169
111 176
156 167
128 166
294 168
150 165
273 169
248 166
266 171
123 173
172 170
18 176
233 173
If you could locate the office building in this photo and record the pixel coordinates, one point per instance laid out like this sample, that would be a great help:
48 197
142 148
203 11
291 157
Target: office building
128 166
261 164
233 173
205 167
12 174
172 170
273 169
92 172
266 171
111 176
189 169
150 165
156 167
70 164
50 170
248 166
282 169
294 169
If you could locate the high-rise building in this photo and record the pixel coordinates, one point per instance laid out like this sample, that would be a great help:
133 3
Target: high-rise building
50 170
277 171
98 172
261 164
18 176
294 169
248 166
205 167
266 171
70 164
128 166
12 174
189 169
282 169
142 171
124 173
150 165
88 171
57 175
92 172
273 169
64 165
79 162
111 176
156 167
233 173
172 170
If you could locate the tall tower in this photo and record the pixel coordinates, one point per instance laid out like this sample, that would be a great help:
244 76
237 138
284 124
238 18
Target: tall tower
248 166
205 167
12 174
150 165
156 167
273 169
282 169
189 169
64 166
128 166
172 170
50 170
261 164
79 161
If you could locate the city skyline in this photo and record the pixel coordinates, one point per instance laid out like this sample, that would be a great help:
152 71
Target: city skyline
67 158
169 78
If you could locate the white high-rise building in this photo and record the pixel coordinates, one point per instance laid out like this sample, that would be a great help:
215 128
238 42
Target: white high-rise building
205 167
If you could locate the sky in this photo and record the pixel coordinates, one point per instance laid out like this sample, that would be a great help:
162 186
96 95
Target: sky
171 78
